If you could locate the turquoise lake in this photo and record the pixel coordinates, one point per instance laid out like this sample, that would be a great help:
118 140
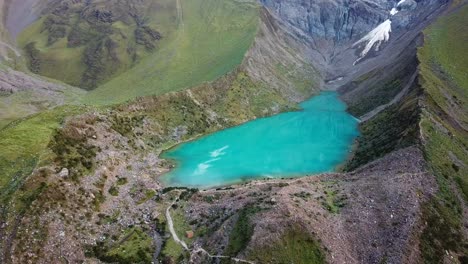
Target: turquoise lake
314 140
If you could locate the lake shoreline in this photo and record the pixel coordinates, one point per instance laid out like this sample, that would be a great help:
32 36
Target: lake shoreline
317 109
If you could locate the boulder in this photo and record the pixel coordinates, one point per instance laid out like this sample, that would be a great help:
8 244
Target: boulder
64 173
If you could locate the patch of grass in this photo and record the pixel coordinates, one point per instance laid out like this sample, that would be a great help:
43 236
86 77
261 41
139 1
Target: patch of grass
109 219
124 125
301 82
172 250
441 234
133 246
241 232
72 151
122 181
27 139
294 246
444 149
25 103
246 98
147 196
114 190
447 40
332 201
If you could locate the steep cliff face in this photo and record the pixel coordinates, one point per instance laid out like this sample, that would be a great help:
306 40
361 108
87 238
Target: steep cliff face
22 13
347 38
339 20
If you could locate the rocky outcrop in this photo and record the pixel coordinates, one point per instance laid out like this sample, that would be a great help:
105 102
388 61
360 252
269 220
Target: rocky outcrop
12 81
275 58
339 20
21 14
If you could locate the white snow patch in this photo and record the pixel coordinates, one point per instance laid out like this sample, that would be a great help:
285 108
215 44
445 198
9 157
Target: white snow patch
218 152
375 38
401 2
394 10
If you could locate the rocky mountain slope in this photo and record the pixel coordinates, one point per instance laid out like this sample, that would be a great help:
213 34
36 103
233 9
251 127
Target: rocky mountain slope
80 183
23 93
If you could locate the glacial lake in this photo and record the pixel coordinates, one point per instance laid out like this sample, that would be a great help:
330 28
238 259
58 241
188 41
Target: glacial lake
314 140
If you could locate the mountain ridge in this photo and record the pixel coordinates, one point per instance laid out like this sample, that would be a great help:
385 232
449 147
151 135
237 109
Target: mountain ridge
90 187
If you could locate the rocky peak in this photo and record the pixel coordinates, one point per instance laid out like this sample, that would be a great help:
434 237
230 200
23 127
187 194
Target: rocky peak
340 20
343 20
341 35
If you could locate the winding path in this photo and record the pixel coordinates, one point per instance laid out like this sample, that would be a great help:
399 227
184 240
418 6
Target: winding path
8 46
180 14
395 100
197 249
172 230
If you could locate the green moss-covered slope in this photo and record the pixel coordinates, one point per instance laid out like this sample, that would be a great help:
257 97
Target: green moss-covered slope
444 133
211 39
125 49
87 43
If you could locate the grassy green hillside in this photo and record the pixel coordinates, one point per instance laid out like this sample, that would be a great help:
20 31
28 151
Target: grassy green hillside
24 146
211 39
445 138
28 102
447 46
203 40
86 44
125 49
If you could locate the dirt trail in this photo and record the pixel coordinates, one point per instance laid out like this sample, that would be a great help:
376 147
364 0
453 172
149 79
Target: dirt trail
8 46
172 230
180 15
395 100
197 250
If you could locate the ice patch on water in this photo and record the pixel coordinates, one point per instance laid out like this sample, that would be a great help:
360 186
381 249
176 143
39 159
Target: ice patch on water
211 160
218 152
201 169
375 38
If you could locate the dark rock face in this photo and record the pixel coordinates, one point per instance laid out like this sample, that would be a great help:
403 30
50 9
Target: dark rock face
22 13
340 20
333 32
344 20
